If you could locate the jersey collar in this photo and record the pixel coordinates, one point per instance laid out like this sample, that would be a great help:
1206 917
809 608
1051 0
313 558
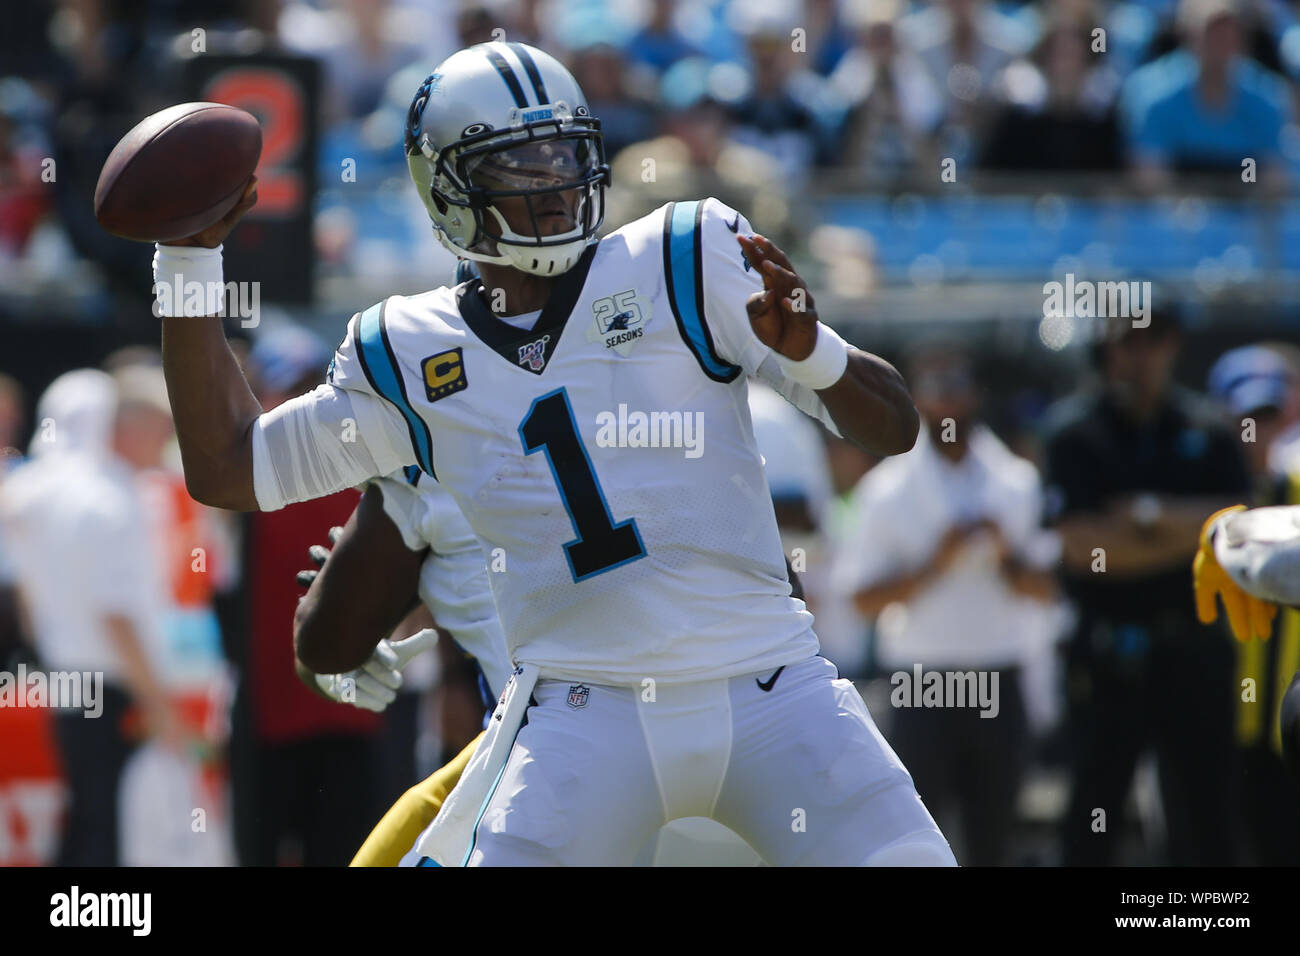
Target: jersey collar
529 349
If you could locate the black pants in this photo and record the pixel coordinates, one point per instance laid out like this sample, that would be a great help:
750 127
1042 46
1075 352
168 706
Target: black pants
93 752
1270 804
1168 689
968 764
312 801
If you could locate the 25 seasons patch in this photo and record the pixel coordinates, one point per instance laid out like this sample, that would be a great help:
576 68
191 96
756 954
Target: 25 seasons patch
618 320
444 374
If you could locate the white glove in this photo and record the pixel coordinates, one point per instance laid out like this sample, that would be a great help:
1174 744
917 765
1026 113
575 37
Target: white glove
374 685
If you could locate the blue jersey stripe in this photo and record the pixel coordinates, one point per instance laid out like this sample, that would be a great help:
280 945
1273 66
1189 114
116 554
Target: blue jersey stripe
381 369
685 276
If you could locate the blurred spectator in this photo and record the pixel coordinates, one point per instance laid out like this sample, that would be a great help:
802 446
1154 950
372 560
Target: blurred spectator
290 802
964 44
160 789
625 117
697 156
1284 453
526 22
794 461
1057 112
371 41
475 23
894 105
1133 468
1205 108
847 637
90 578
99 70
658 44
946 540
24 198
797 466
828 36
786 111
13 414
1257 387
1127 28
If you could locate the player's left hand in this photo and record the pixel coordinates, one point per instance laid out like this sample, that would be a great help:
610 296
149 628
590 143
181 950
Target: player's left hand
319 554
1248 616
374 685
782 315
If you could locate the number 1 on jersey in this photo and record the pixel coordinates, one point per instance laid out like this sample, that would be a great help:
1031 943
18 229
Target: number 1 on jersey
600 544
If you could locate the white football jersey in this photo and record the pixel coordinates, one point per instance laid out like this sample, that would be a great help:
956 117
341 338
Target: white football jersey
605 458
453 578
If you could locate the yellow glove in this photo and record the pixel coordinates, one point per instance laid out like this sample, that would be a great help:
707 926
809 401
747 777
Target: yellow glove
1248 616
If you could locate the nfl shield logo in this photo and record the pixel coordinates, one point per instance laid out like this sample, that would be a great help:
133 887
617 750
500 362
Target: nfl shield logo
578 694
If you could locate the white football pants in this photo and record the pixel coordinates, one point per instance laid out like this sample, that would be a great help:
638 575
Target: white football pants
799 771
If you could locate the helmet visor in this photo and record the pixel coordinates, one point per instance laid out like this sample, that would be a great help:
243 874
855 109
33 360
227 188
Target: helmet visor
532 166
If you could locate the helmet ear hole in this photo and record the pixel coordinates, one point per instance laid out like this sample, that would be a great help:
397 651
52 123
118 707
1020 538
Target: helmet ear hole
438 201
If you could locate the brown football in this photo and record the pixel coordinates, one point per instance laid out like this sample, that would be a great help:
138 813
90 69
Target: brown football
177 172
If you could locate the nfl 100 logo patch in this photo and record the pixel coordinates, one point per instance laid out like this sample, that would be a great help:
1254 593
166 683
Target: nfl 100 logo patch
533 355
578 694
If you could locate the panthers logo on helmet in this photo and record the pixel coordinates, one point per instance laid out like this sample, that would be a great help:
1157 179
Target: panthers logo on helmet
415 115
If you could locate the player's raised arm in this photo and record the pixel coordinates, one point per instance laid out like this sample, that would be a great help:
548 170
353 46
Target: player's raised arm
237 457
762 318
213 406
865 395
334 437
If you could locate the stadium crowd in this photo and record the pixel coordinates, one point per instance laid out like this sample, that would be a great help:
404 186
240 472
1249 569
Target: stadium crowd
977 551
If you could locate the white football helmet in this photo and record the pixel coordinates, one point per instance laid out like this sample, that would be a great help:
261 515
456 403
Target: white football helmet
506 121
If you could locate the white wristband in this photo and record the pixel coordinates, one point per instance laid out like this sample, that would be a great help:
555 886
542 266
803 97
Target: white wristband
826 363
188 281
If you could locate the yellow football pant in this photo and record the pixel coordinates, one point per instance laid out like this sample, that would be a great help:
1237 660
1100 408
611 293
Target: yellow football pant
414 810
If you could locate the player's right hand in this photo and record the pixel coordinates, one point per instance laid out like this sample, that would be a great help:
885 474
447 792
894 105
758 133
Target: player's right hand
1248 616
215 235
374 685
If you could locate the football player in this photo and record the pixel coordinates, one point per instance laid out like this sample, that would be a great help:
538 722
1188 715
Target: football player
1249 559
584 405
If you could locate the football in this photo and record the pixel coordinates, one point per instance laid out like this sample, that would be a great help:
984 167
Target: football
177 172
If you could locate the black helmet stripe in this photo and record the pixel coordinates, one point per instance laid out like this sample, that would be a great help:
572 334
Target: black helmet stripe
507 74
530 68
